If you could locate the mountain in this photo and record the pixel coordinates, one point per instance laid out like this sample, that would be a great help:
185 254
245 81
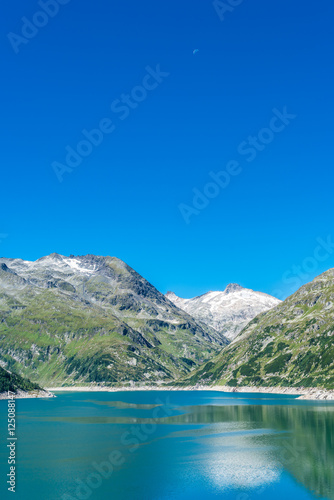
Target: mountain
93 319
290 345
229 311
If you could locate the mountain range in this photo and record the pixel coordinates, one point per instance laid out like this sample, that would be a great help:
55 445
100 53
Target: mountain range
229 311
91 319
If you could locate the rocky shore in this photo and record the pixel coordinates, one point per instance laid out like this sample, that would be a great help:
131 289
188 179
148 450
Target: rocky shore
31 394
309 393
300 393
315 394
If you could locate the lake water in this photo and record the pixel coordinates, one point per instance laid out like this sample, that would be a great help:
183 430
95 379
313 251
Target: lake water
170 445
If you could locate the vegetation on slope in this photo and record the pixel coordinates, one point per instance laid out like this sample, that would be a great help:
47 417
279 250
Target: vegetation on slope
288 346
94 320
13 382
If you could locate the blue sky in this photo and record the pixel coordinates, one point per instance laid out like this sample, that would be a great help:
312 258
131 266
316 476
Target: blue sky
124 197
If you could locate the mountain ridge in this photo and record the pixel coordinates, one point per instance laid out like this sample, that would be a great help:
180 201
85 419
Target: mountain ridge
290 345
94 319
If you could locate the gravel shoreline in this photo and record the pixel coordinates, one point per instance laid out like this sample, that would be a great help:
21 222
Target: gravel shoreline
27 395
315 394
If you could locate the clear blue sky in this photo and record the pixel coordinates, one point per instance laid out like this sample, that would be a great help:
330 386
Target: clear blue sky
123 199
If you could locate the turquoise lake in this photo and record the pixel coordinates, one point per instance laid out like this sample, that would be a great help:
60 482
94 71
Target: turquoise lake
170 445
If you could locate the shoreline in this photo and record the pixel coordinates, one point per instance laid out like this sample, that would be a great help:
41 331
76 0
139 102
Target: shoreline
312 393
28 395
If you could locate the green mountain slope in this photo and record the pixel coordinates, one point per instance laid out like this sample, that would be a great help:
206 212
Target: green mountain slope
94 319
13 382
290 345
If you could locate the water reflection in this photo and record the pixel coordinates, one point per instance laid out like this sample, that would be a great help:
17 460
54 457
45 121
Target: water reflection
303 443
122 405
242 446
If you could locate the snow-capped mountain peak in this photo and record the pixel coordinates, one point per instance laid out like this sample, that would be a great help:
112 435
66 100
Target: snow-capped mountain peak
232 287
227 311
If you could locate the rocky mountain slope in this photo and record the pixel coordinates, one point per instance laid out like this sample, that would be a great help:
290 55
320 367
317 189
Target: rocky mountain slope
94 319
290 345
229 311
